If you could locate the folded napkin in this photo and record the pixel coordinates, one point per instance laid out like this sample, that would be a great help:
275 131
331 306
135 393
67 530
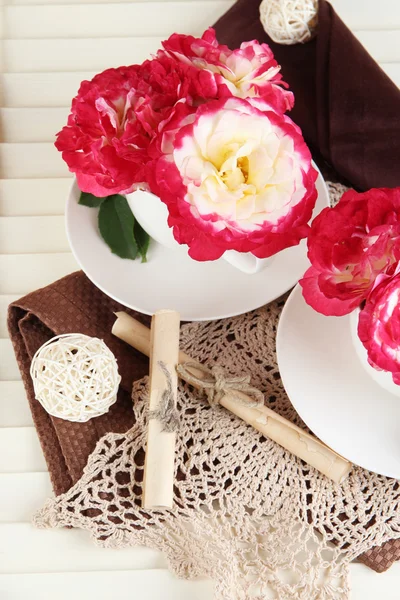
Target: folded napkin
74 305
347 107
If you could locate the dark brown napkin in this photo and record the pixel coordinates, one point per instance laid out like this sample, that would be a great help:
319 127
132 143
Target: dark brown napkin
347 107
72 305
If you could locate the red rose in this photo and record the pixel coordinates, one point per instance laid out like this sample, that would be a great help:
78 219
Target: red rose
116 115
101 116
379 325
348 247
233 178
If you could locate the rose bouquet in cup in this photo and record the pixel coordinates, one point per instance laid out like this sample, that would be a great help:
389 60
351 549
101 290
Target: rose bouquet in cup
204 129
354 250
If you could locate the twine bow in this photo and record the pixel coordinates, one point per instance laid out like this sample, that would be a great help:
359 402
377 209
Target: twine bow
215 384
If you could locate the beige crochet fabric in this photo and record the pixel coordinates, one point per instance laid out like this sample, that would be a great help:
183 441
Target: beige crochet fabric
247 513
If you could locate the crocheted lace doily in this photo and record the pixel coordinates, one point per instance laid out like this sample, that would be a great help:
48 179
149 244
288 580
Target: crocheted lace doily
247 513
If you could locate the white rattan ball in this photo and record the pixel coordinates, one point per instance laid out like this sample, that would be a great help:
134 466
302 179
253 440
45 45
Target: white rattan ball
75 377
289 21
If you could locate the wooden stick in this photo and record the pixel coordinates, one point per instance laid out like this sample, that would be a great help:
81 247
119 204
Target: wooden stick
266 421
160 450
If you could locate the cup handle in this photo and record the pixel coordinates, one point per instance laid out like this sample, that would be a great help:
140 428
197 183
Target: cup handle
245 261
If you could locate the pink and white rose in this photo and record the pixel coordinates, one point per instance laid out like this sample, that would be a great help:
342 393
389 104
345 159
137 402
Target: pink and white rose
117 115
249 71
349 246
234 178
379 325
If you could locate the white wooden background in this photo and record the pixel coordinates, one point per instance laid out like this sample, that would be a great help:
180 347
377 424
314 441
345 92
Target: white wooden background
47 48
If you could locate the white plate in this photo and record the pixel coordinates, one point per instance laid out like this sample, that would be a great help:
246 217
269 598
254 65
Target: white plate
330 389
170 279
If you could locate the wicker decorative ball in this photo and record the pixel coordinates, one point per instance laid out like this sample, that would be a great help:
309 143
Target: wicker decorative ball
289 21
75 377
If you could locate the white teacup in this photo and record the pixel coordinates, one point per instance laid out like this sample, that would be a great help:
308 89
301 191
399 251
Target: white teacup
152 214
382 378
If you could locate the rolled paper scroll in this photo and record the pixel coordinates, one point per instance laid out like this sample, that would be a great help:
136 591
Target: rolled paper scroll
163 349
263 419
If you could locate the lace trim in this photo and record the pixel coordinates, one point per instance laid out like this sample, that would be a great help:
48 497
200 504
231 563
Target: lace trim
247 513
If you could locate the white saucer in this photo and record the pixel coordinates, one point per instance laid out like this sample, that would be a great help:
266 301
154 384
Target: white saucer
170 279
330 389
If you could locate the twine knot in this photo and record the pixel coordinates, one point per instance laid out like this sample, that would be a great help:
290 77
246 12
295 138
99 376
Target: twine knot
166 411
215 384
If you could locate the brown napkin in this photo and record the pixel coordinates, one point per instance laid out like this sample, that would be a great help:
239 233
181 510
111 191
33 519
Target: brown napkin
72 305
348 109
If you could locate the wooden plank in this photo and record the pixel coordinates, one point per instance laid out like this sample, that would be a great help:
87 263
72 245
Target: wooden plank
34 197
25 235
41 89
368 585
24 161
150 585
95 54
111 20
382 45
22 494
4 302
24 549
159 584
23 273
31 124
20 451
393 71
21 90
35 2
8 365
56 89
368 17
14 407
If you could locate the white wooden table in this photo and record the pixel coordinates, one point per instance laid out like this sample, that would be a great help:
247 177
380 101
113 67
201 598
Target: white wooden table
47 48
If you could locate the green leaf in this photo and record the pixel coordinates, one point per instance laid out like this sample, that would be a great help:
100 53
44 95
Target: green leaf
142 240
116 223
90 200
